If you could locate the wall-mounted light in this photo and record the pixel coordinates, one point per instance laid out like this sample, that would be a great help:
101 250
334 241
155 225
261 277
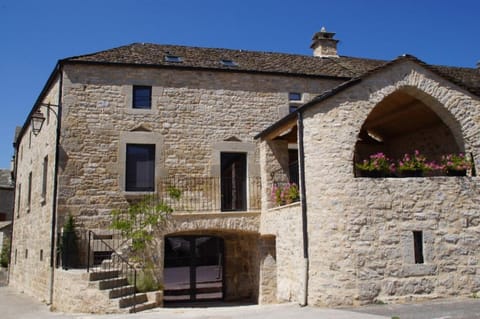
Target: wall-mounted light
38 118
37 122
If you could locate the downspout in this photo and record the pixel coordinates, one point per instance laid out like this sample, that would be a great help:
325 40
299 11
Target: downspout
303 199
55 187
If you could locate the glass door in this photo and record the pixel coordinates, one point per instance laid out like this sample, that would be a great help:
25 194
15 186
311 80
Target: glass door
193 269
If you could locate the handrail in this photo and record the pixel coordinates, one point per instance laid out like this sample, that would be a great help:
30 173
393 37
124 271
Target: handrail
115 262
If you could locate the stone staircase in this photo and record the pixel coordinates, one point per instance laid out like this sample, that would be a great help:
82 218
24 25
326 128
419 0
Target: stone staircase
121 293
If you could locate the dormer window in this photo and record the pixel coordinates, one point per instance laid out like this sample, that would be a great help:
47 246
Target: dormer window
230 63
173 58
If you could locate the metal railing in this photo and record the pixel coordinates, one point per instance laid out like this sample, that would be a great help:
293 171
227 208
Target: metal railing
211 193
105 263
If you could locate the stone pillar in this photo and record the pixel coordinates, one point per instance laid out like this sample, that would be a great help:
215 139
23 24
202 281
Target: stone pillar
273 167
268 271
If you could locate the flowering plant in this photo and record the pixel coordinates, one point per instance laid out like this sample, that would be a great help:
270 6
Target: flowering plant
377 162
285 194
457 162
415 162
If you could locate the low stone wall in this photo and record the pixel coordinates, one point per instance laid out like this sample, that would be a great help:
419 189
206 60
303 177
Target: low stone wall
73 292
285 224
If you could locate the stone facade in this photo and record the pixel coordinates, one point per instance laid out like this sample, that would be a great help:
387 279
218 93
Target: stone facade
30 266
360 231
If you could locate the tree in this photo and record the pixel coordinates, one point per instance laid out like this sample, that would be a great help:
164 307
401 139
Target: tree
5 253
141 224
68 245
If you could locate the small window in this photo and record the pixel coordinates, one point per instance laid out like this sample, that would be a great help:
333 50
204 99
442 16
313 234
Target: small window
140 168
173 58
293 96
142 97
41 254
29 194
418 246
292 108
26 253
15 260
230 63
44 178
295 100
19 198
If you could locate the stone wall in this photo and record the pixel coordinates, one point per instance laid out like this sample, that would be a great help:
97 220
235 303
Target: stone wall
285 224
192 113
31 252
361 230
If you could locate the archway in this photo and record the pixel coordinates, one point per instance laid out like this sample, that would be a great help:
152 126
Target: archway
405 121
206 265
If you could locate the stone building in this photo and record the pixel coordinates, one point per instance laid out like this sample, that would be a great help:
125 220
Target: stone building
6 206
225 127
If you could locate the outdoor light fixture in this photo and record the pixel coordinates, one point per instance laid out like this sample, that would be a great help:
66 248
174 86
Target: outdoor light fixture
37 122
38 118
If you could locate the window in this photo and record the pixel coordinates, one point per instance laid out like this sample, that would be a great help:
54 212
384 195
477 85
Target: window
295 100
173 58
41 254
418 246
140 168
293 96
26 253
19 199
29 195
44 178
142 97
230 63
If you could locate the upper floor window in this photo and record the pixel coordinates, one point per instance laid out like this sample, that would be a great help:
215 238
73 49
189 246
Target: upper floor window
44 178
140 168
142 97
295 100
19 198
29 194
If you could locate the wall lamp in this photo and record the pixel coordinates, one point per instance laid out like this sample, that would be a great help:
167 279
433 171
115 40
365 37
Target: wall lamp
38 118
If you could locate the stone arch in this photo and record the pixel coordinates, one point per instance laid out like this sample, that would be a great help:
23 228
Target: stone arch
406 120
239 260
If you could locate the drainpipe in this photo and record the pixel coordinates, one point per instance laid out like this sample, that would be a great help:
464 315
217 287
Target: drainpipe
55 187
303 198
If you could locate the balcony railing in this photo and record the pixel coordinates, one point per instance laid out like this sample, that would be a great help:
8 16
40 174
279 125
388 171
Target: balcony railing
211 193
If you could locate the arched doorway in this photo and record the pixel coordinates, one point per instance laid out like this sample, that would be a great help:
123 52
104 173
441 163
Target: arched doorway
193 268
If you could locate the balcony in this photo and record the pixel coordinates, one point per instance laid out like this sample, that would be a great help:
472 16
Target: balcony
203 194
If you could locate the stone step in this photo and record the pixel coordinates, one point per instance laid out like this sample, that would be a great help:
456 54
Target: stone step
121 292
130 301
103 274
112 283
143 306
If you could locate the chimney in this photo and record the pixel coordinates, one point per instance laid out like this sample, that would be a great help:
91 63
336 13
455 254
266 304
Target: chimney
324 45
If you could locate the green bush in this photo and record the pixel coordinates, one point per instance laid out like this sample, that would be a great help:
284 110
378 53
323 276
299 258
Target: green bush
5 253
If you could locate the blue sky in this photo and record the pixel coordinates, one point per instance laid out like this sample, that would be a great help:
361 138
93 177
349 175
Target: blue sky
35 34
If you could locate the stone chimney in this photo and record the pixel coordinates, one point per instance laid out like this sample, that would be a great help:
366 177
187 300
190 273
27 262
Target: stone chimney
323 44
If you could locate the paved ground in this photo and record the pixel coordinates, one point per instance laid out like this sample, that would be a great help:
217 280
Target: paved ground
14 305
